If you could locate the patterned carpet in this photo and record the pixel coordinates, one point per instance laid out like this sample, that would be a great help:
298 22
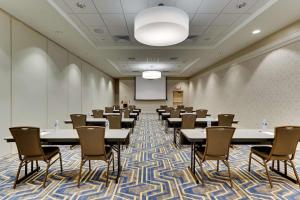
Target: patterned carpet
153 169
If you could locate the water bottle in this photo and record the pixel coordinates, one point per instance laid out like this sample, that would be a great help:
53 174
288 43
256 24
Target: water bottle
107 125
264 124
56 125
208 122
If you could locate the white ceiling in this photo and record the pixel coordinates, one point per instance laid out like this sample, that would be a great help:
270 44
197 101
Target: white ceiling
107 22
221 29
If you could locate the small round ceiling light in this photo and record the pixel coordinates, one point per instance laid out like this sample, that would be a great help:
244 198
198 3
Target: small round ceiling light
257 31
161 26
151 74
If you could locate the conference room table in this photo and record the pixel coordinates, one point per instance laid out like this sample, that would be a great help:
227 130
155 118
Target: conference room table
240 137
125 122
132 115
137 110
113 137
165 116
175 123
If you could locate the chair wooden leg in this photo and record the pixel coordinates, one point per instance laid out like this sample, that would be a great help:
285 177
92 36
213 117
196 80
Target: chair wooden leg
295 171
229 173
113 161
61 165
18 174
250 158
46 173
268 175
218 165
79 175
37 165
202 172
107 170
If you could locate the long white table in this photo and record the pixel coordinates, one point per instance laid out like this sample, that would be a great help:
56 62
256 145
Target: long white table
126 122
113 137
240 137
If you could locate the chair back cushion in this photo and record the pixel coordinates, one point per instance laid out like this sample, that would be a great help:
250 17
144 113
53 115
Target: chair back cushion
225 119
92 140
285 140
201 113
218 140
188 121
78 120
98 113
28 141
114 121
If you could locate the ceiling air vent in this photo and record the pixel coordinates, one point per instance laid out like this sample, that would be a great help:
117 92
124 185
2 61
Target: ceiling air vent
121 38
173 58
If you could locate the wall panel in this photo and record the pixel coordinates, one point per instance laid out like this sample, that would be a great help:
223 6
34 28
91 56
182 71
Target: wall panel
5 81
57 84
29 77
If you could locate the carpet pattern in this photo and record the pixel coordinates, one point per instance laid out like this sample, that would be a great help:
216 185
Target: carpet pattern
152 169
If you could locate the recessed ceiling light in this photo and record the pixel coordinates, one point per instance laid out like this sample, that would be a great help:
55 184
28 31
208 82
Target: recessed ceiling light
81 4
257 31
241 5
98 30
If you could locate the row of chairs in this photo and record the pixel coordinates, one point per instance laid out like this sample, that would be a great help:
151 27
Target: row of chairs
189 121
218 143
98 113
178 108
30 149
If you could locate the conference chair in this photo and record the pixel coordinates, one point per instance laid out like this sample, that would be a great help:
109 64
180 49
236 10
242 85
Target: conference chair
180 107
109 109
30 149
188 109
175 113
78 120
114 121
92 142
126 113
225 119
117 107
97 113
283 149
201 113
218 140
188 122
131 107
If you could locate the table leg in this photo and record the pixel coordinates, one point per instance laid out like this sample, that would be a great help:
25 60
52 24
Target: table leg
119 162
174 139
285 175
27 175
192 168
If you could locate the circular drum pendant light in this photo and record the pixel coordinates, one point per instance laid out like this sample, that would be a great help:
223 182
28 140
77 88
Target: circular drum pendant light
161 26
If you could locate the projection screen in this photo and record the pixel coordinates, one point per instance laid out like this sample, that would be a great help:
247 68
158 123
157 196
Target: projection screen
146 89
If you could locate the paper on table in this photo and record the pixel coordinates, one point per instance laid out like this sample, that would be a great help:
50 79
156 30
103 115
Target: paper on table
44 133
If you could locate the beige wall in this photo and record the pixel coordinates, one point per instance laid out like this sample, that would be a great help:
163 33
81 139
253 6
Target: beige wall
126 92
265 86
41 82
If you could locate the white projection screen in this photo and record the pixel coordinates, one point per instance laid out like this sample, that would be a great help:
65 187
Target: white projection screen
150 89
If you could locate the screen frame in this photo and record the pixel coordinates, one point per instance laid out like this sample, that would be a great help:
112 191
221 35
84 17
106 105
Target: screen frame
166 99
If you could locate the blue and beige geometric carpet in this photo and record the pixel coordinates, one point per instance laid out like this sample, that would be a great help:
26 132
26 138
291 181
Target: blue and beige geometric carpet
152 169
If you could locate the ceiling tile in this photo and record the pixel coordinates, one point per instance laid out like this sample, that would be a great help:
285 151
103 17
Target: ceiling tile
114 20
152 3
89 6
197 30
130 19
226 19
203 19
62 5
91 19
134 6
117 30
98 30
215 30
189 6
232 7
108 6
259 4
212 6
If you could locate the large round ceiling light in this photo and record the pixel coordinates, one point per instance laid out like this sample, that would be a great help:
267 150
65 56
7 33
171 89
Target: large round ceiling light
151 74
161 26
